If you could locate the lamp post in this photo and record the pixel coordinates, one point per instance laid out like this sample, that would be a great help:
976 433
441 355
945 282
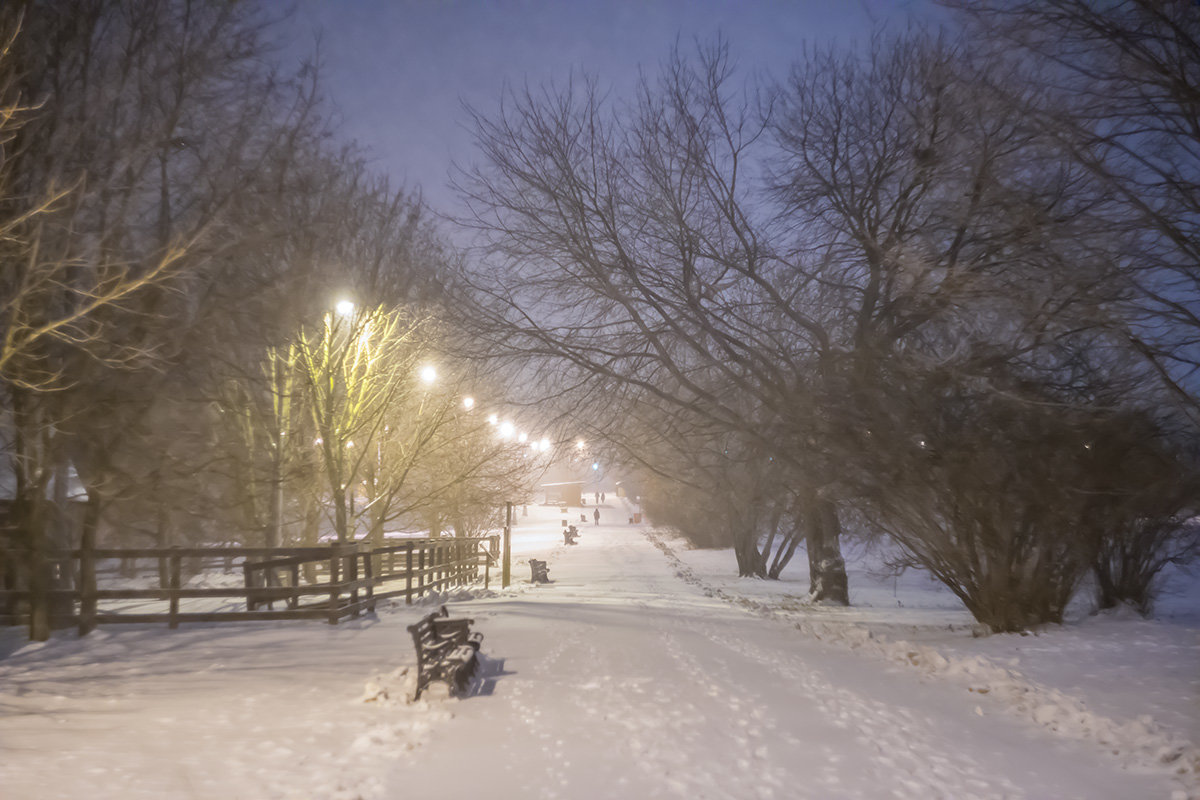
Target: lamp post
506 564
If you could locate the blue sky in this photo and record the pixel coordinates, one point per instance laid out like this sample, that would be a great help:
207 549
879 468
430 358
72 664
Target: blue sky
400 69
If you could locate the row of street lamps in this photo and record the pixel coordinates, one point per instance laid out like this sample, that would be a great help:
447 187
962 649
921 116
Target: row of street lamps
428 375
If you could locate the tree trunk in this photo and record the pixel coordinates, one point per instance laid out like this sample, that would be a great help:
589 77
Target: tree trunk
309 538
62 606
750 561
30 468
273 536
87 565
787 549
827 569
162 534
339 515
31 522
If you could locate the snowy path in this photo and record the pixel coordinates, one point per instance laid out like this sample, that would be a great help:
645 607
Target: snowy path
621 680
629 677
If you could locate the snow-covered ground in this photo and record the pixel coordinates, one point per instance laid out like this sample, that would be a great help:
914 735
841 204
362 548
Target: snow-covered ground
645 670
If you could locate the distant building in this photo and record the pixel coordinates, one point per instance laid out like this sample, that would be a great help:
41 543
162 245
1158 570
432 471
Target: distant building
564 493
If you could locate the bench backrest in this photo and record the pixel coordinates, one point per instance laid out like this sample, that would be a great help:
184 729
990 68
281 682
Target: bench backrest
438 630
423 632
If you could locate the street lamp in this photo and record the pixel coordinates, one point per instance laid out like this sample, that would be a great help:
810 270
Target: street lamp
468 403
428 374
345 308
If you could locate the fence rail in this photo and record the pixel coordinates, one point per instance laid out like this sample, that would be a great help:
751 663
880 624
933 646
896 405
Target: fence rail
330 583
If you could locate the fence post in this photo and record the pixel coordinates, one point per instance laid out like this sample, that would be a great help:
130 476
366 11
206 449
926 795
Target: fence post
408 573
87 591
294 599
174 589
487 567
421 571
459 566
248 578
369 576
334 579
464 563
353 578
506 566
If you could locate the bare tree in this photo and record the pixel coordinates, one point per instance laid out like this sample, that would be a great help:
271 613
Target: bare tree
151 114
1120 91
629 248
1117 91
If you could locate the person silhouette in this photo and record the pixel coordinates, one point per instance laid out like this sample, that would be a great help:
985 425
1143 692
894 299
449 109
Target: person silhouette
596 516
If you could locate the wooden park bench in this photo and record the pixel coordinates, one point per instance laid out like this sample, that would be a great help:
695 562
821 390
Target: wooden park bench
539 572
570 534
446 650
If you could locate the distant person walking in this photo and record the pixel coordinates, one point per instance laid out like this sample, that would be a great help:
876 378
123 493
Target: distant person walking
602 497
596 516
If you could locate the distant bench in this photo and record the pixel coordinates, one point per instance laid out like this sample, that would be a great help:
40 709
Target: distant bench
446 650
539 572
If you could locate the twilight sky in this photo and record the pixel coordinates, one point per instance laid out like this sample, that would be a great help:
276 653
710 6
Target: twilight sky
400 69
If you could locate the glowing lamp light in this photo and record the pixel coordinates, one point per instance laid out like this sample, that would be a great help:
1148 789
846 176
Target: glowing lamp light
345 308
428 374
506 430
468 403
595 465
493 419
580 444
522 437
544 445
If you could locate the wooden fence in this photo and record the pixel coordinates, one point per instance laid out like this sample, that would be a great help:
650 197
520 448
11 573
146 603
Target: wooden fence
330 583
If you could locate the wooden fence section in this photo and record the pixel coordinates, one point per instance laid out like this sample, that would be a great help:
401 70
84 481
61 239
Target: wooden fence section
330 583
